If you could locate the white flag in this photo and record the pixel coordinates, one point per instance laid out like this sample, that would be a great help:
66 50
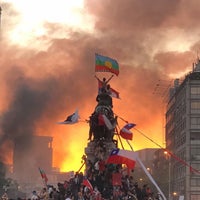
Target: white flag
71 119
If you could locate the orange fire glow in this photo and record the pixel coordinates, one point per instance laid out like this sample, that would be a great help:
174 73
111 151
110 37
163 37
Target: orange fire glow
47 68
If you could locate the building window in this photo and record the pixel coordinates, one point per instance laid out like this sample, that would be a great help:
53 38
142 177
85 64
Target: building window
195 122
195 138
195 197
195 91
195 153
195 107
196 166
195 182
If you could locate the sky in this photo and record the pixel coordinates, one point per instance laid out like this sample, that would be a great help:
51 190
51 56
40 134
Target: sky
47 59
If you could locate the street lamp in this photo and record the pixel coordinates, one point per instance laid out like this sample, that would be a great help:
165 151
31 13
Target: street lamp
149 170
174 193
169 174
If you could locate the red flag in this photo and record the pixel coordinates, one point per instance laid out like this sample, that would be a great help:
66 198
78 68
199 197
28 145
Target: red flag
103 120
120 156
87 183
114 93
43 175
117 179
101 165
126 133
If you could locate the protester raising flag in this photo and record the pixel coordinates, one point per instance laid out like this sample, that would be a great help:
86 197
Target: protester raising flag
71 119
125 131
109 90
87 183
106 64
120 156
43 175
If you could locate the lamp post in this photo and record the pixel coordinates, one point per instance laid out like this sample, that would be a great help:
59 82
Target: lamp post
169 177
175 194
149 170
169 174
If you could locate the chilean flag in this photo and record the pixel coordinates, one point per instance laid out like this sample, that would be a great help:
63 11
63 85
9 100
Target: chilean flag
125 131
71 119
120 156
103 120
117 178
87 183
43 175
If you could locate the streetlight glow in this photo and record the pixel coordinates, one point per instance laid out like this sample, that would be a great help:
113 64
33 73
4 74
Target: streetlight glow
175 193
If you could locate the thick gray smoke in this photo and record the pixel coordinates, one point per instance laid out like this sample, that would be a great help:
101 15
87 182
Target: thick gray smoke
151 42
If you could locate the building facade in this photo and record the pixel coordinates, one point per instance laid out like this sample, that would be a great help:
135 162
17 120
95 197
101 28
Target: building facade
27 161
183 136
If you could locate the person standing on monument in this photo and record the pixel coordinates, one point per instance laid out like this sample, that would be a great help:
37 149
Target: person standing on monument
103 83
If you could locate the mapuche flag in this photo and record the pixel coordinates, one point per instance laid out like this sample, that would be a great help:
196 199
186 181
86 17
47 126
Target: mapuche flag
106 64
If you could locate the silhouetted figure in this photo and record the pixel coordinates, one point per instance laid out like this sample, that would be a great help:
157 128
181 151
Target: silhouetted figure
103 83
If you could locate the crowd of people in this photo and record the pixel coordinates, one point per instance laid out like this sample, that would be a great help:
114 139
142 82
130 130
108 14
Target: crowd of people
77 189
81 188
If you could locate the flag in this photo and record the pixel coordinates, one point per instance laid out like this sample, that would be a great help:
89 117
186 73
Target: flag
114 93
71 119
103 120
117 178
107 122
106 64
87 183
43 175
120 156
125 131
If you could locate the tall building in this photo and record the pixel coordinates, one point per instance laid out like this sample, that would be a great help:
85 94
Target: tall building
183 136
26 161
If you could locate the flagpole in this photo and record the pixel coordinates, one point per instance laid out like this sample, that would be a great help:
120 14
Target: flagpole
81 167
43 179
44 182
147 173
119 138
171 154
